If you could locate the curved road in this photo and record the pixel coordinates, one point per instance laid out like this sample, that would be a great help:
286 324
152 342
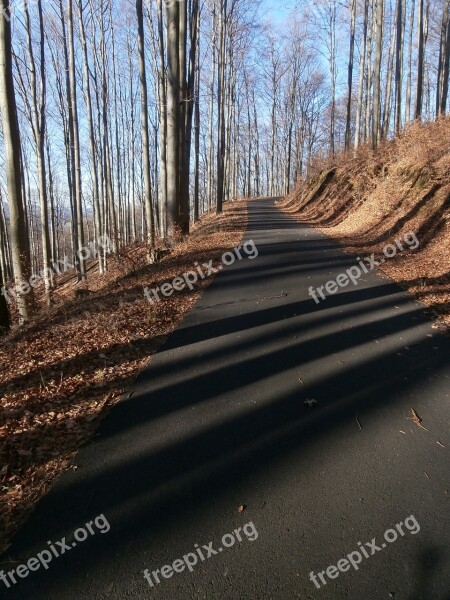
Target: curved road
294 411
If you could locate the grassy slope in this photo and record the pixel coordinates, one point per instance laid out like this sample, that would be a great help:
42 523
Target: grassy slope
60 374
369 200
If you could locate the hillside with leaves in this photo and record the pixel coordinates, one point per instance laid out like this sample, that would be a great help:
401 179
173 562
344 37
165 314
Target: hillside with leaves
365 200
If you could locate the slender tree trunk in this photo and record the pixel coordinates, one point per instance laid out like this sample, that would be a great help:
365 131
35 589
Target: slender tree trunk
210 189
362 66
38 122
420 59
444 62
401 6
333 74
174 123
4 314
221 146
257 153
53 220
185 114
145 134
369 74
162 98
92 146
410 49
377 74
350 77
197 127
12 147
389 81
76 180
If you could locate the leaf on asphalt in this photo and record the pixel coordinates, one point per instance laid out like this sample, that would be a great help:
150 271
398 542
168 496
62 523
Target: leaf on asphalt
416 419
241 508
311 403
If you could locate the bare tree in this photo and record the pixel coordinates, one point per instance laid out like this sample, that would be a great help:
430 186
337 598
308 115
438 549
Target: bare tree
172 14
12 144
38 122
377 73
420 59
400 16
362 67
350 75
76 166
444 62
145 134
4 314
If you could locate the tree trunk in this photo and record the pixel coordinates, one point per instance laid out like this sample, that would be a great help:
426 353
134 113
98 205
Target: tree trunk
389 81
38 123
362 66
12 147
444 62
221 105
4 314
401 6
210 188
92 146
145 134
350 77
377 74
76 167
420 59
409 76
197 127
174 123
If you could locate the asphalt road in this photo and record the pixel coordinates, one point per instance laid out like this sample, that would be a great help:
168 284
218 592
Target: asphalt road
297 411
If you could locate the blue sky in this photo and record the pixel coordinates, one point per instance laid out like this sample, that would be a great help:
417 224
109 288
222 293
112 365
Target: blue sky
277 9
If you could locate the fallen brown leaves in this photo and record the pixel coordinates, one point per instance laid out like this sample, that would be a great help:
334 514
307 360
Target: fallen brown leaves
416 419
368 200
61 373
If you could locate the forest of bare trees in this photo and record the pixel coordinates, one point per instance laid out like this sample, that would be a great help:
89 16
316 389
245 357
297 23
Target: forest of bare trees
130 120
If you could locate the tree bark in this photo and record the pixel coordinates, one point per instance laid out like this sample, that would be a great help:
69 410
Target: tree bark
350 76
401 5
444 62
377 74
145 134
174 123
12 146
362 67
221 145
38 123
420 60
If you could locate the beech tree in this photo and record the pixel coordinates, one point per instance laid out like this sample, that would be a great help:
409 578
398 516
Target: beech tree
145 134
444 62
376 122
12 145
